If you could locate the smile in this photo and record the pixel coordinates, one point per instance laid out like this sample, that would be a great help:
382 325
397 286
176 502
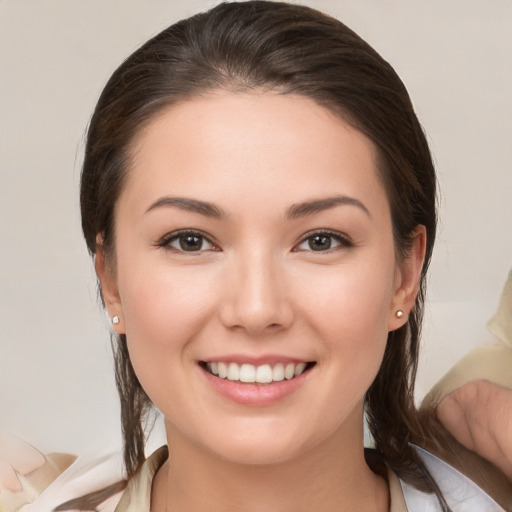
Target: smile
262 374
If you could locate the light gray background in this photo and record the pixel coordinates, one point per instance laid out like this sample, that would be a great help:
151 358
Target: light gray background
56 379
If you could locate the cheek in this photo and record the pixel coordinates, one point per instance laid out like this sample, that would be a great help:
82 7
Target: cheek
355 298
164 300
163 310
348 308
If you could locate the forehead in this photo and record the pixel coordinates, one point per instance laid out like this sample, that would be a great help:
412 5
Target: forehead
267 146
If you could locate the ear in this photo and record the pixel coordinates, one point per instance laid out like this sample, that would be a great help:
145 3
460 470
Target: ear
108 288
407 280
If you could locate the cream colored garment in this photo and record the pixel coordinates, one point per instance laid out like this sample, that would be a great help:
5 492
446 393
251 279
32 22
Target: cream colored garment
60 479
137 495
501 323
30 486
493 364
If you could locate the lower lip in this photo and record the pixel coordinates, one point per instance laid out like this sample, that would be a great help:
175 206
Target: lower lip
255 394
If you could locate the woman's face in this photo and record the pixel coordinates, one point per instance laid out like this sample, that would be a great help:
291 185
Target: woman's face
253 237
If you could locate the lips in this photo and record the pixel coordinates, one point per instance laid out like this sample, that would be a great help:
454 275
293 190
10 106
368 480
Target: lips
263 391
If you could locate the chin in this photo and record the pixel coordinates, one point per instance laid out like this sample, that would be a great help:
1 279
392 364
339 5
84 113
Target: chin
263 444
258 453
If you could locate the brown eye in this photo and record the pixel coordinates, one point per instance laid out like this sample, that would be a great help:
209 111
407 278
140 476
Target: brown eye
186 241
324 241
320 242
190 242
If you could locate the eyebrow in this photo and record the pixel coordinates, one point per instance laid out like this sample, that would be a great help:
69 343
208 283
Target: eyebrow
319 205
295 211
189 205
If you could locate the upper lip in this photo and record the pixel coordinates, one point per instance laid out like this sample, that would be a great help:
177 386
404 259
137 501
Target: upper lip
255 360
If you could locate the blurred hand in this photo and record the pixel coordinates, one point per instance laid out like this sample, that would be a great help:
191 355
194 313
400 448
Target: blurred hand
16 458
479 416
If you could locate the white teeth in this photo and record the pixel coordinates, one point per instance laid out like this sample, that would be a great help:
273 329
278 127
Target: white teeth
289 371
262 374
223 370
233 371
278 372
248 373
299 369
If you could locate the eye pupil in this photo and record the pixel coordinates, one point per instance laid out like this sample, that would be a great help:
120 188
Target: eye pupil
320 242
190 242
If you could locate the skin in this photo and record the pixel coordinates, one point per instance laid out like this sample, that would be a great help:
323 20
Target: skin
16 458
257 289
479 416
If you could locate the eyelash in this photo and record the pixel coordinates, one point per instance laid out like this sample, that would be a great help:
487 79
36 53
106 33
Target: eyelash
166 241
342 239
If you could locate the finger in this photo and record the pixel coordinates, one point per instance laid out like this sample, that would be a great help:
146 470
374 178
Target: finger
8 478
19 454
452 416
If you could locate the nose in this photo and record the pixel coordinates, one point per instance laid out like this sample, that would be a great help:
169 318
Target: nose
256 296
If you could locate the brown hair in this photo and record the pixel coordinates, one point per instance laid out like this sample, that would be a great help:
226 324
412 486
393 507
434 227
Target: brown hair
289 49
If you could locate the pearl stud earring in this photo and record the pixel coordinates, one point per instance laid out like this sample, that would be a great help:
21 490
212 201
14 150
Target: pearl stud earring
115 320
399 313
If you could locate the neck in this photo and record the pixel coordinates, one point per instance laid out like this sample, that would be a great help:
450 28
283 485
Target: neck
333 476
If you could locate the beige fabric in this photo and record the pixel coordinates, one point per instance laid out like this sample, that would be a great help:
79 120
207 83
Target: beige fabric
501 323
493 364
137 495
32 484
